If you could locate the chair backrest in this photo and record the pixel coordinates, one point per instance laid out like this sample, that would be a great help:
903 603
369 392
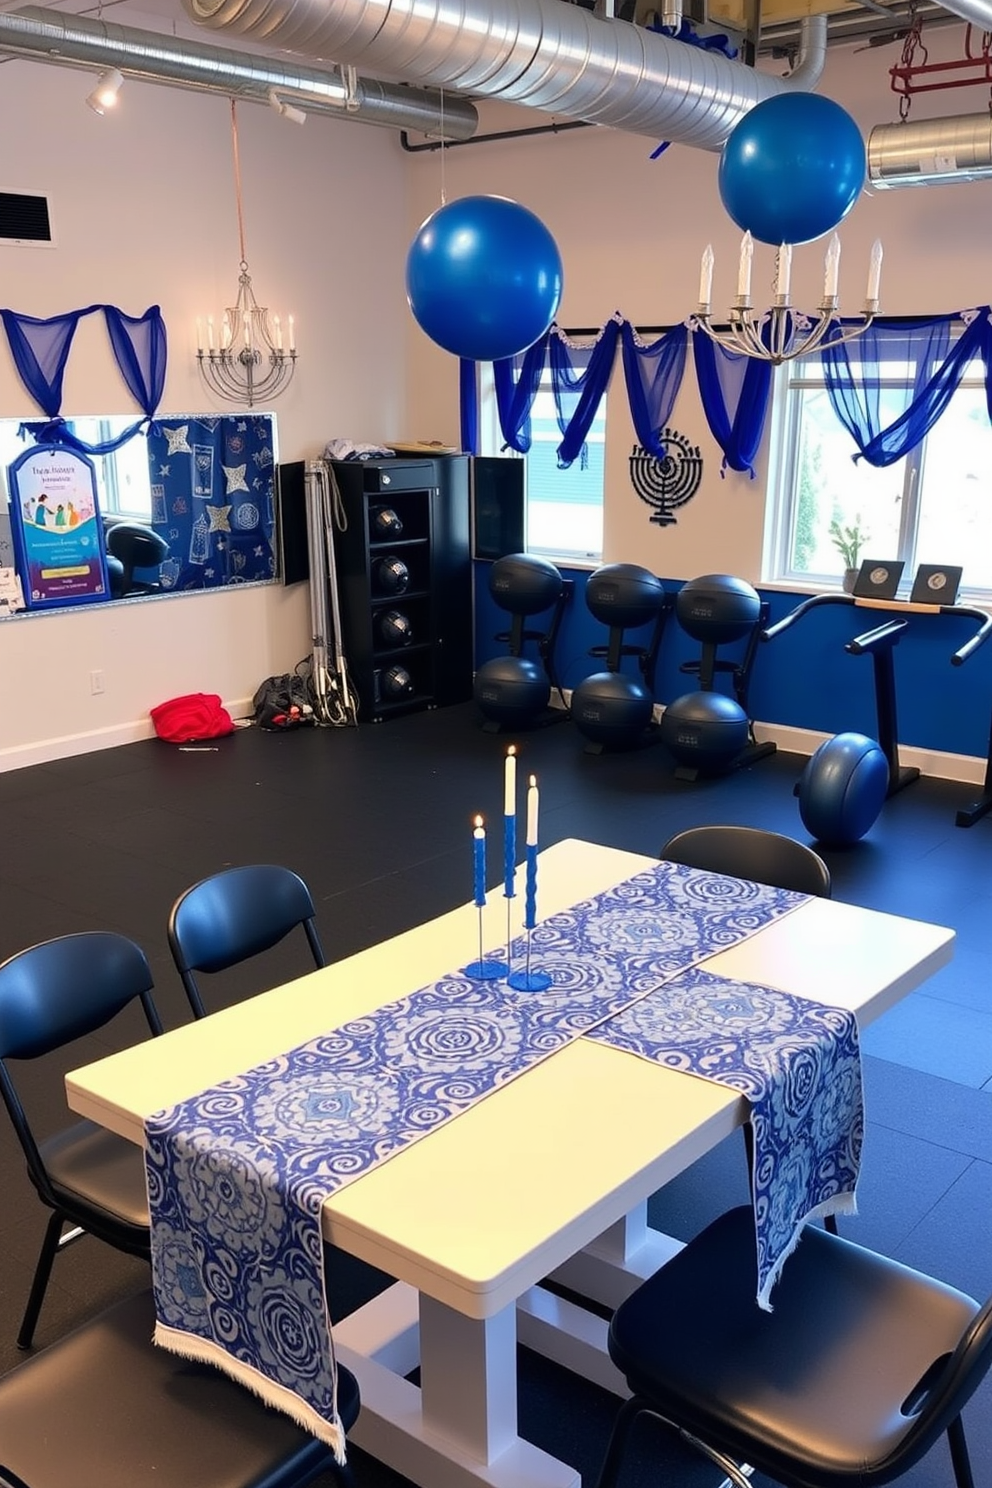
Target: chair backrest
751 852
55 992
234 915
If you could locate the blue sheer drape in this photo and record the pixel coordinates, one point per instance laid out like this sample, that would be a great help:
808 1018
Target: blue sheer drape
40 349
855 374
468 403
579 378
735 391
653 374
516 380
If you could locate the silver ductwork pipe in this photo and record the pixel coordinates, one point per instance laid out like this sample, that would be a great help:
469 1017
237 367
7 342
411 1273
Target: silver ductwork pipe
51 36
541 53
933 152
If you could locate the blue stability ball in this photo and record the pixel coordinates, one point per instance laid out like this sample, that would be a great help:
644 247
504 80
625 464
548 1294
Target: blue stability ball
610 708
624 594
842 789
706 730
484 278
792 168
511 689
524 584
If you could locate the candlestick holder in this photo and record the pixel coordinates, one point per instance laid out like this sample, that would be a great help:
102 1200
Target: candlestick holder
485 969
526 980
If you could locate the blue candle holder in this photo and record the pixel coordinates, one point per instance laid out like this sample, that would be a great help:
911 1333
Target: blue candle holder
485 969
526 980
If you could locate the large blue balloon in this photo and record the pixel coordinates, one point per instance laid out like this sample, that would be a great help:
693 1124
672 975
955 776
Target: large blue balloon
484 278
792 168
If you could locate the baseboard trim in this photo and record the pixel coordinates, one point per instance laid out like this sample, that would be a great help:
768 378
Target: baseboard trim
65 746
966 768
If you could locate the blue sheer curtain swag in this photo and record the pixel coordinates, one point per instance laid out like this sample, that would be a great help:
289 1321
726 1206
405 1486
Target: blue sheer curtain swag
653 373
580 375
40 349
856 372
735 391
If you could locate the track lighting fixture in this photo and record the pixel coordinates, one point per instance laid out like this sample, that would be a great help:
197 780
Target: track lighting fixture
104 95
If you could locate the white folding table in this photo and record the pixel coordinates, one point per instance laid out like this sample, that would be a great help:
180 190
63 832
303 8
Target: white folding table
550 1175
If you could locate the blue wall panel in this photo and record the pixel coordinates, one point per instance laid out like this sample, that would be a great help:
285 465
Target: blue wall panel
804 678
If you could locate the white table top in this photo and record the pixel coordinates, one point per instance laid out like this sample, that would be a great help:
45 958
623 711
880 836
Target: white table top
481 1209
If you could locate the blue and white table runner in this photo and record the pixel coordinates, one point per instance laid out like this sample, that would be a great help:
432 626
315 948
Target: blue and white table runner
237 1175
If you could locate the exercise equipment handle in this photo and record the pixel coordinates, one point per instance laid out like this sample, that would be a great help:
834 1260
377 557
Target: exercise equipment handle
801 609
981 634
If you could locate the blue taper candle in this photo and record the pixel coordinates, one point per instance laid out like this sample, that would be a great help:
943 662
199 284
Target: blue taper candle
530 893
479 857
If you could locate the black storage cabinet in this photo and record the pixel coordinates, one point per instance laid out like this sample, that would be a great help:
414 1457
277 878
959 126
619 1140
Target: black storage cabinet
405 582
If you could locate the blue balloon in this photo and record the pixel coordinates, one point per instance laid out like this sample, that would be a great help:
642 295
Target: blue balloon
484 278
792 168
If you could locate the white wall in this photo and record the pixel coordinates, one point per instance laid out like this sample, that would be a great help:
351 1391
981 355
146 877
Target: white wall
631 231
144 212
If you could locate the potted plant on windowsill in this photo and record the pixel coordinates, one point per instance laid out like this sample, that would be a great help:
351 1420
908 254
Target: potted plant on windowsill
849 541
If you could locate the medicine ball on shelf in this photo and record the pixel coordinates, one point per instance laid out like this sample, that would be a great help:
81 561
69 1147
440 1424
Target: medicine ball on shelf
390 575
512 691
611 708
393 628
386 525
843 788
395 683
705 730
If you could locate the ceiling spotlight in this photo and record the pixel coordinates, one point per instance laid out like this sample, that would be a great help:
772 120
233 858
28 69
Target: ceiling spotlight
286 110
104 95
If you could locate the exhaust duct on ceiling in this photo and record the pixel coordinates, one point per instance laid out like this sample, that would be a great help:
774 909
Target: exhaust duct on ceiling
933 152
51 36
541 53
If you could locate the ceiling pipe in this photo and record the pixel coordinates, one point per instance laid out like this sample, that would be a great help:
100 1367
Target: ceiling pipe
932 152
51 36
540 53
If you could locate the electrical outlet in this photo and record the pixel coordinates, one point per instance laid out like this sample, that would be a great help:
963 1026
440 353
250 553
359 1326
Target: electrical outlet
96 682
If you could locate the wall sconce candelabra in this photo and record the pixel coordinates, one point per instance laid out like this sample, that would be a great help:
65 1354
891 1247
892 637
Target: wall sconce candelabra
248 360
780 333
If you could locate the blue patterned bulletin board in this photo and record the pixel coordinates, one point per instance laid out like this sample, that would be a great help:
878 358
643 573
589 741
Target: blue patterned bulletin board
213 499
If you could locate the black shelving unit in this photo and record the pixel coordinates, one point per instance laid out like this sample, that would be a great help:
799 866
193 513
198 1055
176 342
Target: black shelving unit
405 582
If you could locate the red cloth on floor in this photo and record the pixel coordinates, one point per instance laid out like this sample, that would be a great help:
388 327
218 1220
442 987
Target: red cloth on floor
196 715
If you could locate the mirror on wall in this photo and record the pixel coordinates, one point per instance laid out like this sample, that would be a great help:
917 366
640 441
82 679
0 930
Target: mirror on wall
188 506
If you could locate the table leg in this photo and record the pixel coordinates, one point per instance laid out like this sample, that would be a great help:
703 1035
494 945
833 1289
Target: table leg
459 1430
618 1260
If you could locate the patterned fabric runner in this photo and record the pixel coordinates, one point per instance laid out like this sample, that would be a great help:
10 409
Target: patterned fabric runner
797 1062
237 1175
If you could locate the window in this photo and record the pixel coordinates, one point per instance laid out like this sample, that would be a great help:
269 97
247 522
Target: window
563 508
934 506
123 483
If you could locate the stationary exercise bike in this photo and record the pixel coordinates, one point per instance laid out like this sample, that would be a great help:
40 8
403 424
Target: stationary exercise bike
847 780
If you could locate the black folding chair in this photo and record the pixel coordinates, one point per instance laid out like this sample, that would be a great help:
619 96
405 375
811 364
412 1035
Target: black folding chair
751 852
234 915
89 1178
105 1408
847 1383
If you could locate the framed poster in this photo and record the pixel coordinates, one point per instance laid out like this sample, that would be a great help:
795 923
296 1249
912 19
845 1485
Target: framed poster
55 523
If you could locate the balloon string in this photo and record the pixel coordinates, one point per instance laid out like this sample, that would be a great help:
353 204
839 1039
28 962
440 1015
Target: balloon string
444 195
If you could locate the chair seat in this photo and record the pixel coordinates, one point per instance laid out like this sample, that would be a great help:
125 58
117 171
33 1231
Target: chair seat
822 1378
105 1408
100 1170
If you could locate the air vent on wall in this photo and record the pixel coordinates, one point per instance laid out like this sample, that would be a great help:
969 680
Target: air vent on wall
25 219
